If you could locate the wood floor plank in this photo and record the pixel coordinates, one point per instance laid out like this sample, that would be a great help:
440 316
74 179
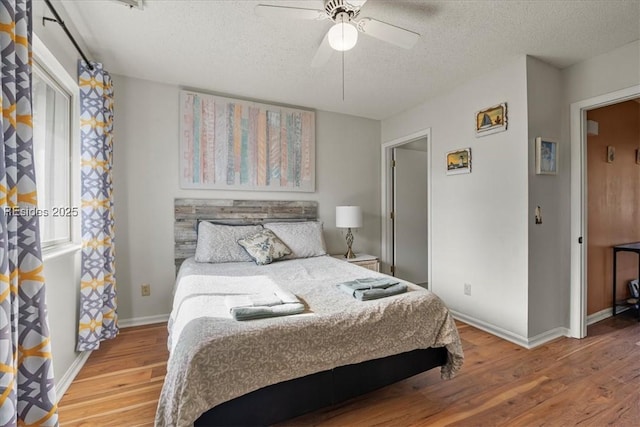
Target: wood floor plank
594 381
129 415
111 404
485 403
92 394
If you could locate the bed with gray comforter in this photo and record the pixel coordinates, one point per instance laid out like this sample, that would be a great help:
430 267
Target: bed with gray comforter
214 358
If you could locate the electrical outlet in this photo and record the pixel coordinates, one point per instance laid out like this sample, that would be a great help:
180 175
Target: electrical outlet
145 289
467 288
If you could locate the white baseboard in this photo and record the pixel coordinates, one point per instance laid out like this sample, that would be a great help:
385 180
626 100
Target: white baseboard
547 336
601 315
65 381
492 329
527 343
140 321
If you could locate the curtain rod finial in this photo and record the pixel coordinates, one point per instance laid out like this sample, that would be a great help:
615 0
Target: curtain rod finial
46 18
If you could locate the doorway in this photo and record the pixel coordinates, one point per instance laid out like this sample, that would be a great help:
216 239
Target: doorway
409 192
613 202
406 205
579 202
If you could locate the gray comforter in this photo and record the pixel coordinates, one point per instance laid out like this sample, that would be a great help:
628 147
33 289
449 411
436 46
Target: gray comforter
215 358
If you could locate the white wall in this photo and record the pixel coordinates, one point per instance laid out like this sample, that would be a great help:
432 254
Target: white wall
479 220
146 150
609 72
548 300
539 105
62 281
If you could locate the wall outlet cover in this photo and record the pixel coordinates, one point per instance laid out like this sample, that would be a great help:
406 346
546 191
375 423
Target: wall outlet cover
145 289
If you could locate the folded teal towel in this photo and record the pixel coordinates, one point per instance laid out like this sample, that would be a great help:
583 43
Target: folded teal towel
261 312
370 288
369 294
259 306
368 283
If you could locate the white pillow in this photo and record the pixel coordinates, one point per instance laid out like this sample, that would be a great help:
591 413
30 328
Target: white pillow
219 243
305 239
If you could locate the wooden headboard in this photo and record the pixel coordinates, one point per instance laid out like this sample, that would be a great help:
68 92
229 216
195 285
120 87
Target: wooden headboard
189 211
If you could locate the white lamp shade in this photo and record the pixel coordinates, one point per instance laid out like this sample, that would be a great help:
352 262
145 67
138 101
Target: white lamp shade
343 36
348 217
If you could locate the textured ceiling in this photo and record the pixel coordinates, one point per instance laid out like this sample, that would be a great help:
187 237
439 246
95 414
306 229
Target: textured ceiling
225 47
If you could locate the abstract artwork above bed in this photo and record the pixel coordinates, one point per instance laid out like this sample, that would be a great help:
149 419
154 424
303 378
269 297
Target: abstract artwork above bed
240 145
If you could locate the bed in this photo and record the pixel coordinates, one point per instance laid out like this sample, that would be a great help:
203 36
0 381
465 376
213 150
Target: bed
227 372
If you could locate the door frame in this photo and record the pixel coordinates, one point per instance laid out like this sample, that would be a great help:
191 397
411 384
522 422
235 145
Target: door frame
386 197
578 300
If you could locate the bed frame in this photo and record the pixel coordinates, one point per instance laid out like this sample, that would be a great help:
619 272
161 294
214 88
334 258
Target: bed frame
234 212
288 399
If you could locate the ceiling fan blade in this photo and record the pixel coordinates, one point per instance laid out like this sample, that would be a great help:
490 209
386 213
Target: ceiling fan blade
291 12
323 54
356 4
388 33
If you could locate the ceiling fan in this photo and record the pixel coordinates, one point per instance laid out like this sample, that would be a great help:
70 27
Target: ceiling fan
343 35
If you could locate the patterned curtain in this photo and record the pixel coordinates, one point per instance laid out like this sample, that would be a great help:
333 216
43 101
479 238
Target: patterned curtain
98 317
27 393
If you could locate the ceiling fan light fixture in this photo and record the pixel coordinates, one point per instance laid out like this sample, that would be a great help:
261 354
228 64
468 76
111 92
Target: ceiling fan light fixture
343 36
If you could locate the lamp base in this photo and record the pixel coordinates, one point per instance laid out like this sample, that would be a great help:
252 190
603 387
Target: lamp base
349 254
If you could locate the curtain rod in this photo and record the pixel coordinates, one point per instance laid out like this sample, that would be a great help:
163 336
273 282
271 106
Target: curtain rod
60 22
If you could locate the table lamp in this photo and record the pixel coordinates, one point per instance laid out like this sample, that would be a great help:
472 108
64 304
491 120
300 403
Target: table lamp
349 217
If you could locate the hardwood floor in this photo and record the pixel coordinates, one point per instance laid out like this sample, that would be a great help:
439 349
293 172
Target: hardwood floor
120 383
591 382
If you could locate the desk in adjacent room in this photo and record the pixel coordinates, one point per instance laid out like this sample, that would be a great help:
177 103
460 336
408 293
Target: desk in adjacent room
628 247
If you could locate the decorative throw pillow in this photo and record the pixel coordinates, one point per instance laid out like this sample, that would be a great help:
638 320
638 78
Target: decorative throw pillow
264 247
304 238
218 242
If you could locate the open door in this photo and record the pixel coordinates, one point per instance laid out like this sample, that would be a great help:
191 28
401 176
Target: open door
579 204
409 190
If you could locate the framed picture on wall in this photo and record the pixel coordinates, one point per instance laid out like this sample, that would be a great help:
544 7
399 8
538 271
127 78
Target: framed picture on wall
491 120
234 144
459 161
546 156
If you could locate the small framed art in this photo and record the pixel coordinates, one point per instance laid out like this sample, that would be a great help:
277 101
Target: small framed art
459 161
546 156
491 120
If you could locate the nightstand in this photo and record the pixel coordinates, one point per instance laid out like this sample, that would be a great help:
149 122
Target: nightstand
363 260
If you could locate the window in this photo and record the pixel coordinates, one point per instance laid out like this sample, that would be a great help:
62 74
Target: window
52 155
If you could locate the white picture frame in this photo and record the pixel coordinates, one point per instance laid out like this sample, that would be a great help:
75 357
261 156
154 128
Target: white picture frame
546 156
458 161
491 120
